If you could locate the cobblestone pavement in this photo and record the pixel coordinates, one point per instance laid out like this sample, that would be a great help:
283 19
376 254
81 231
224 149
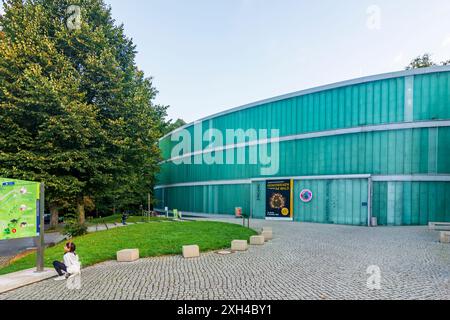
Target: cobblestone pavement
304 261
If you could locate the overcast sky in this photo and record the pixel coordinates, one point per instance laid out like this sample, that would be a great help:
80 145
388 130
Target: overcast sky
207 56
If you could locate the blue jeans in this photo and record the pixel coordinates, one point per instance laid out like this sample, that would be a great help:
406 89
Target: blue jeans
60 267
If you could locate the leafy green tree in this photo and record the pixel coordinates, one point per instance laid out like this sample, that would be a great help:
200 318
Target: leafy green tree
75 111
47 132
173 125
423 61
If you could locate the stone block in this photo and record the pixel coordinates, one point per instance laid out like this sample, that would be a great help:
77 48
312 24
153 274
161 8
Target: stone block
268 235
191 251
239 245
128 255
257 240
445 237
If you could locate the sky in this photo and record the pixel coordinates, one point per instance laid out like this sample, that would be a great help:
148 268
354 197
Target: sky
207 56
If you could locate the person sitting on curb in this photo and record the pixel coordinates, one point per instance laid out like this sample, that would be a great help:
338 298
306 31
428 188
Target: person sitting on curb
71 265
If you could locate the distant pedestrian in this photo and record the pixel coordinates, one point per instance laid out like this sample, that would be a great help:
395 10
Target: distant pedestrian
124 219
71 265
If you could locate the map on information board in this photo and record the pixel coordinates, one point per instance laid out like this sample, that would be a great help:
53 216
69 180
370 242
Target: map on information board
18 209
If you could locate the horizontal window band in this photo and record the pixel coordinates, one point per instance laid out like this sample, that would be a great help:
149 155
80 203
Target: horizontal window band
208 183
342 84
375 178
321 134
412 178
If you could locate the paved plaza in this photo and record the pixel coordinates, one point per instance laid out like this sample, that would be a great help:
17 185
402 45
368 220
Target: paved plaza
304 261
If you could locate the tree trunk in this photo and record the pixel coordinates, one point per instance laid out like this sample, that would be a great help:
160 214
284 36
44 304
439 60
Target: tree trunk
54 219
80 210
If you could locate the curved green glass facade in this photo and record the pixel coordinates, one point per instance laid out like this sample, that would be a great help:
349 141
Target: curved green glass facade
371 147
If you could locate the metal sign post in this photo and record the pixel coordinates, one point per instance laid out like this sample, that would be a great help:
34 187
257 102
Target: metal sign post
149 202
149 199
41 239
369 201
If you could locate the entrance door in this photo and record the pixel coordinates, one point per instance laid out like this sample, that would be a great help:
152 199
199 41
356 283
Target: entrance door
343 201
258 199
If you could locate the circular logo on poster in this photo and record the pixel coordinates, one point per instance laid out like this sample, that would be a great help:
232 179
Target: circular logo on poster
285 212
277 201
306 195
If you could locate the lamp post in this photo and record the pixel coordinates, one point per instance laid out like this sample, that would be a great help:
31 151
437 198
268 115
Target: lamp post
41 239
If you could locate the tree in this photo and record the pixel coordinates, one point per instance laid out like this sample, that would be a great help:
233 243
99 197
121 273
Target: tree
171 125
76 112
423 61
46 130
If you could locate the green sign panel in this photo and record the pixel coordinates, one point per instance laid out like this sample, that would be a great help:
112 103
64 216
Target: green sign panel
19 216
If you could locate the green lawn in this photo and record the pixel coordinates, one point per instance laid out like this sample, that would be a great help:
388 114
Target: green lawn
152 239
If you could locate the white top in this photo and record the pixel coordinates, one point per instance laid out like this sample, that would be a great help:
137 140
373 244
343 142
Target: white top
72 263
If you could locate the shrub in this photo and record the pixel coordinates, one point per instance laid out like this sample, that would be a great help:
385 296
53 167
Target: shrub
74 228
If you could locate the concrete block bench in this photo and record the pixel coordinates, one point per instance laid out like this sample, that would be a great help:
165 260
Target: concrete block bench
191 251
239 245
128 255
267 229
267 234
257 240
445 237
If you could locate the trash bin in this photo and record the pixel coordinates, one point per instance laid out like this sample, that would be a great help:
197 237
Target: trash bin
374 222
238 212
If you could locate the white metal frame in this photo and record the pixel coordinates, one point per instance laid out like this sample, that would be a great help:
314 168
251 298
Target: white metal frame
375 178
321 134
385 76
371 179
